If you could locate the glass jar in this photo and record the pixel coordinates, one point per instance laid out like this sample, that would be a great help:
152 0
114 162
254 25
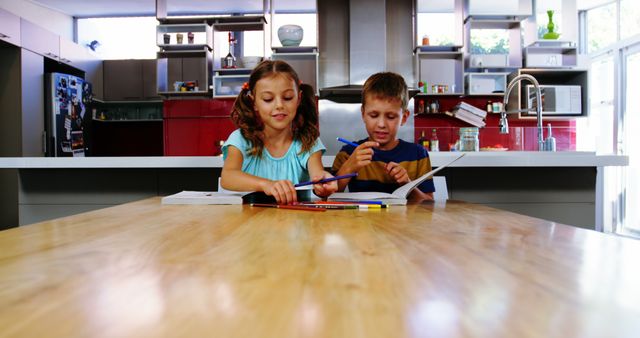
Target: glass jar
469 139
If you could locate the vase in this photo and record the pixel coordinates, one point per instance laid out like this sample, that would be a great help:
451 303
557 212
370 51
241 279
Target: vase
550 35
290 35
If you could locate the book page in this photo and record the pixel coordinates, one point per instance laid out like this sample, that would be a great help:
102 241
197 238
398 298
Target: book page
403 191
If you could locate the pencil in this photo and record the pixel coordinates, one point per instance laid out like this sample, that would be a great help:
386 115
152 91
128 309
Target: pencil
325 180
286 206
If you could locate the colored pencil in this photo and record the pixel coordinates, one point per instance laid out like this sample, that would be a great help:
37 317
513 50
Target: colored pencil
325 180
286 206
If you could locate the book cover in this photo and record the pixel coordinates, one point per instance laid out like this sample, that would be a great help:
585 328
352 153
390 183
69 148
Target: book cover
472 109
397 197
204 197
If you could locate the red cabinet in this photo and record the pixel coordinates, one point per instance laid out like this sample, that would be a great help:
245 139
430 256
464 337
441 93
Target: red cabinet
196 127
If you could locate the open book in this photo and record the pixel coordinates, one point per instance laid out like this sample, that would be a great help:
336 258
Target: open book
397 197
228 197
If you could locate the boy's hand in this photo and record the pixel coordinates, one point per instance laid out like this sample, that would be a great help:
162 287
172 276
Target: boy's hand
397 172
283 191
361 156
324 189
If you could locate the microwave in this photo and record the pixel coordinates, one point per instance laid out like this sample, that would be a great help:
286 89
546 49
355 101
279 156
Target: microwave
556 100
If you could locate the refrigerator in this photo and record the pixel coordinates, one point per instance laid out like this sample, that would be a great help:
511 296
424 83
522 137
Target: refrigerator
68 100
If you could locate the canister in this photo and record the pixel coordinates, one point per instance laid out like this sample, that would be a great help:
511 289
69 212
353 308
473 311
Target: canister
469 139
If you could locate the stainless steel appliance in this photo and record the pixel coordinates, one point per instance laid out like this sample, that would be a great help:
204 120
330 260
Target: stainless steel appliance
563 100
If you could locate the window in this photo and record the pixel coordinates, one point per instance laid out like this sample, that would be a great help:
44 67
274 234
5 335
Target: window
489 41
120 38
436 20
439 27
629 18
601 27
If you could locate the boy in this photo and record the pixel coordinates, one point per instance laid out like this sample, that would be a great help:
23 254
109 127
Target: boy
382 161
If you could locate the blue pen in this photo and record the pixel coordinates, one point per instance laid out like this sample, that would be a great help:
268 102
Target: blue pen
325 180
348 142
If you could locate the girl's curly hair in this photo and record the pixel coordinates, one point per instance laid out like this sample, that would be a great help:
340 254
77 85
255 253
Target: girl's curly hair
247 119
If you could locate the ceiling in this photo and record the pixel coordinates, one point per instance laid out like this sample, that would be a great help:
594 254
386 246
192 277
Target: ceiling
105 8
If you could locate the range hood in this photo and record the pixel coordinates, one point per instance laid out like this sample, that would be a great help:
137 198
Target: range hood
367 50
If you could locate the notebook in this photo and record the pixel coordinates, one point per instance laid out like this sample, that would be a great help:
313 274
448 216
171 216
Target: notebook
397 197
204 197
229 197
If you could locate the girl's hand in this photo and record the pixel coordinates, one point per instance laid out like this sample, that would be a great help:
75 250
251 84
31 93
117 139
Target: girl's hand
283 191
324 189
398 173
361 156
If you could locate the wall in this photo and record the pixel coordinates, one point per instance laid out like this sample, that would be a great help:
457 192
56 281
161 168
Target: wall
50 19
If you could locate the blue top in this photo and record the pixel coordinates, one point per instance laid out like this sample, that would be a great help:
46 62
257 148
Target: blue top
373 177
292 166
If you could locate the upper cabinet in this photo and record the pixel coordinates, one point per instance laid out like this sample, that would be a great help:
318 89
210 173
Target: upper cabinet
9 27
40 40
514 8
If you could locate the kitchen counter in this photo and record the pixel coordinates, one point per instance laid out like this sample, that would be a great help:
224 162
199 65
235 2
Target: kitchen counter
472 159
563 186
450 269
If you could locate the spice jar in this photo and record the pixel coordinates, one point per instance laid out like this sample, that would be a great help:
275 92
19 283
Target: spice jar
425 40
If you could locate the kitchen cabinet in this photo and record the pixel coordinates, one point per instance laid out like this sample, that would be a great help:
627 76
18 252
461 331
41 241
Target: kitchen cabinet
21 103
196 127
517 8
129 80
39 40
9 28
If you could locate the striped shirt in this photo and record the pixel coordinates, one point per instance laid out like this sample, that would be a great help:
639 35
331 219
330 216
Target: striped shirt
373 177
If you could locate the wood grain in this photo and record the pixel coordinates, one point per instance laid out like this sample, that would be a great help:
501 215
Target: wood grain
433 270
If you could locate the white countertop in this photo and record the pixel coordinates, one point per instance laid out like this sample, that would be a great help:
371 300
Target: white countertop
472 159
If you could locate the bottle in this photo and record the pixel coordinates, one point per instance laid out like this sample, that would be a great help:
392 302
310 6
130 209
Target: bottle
420 107
489 106
435 145
423 140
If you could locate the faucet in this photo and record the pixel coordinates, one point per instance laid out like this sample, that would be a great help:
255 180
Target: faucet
504 124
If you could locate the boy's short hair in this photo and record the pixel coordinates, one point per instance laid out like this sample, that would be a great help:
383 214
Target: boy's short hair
386 85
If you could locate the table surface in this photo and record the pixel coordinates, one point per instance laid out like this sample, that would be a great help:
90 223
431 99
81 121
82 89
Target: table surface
431 270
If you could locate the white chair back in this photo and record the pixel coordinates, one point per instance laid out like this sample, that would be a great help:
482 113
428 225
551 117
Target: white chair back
441 193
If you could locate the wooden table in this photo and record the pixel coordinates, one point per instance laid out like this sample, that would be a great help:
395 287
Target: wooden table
431 270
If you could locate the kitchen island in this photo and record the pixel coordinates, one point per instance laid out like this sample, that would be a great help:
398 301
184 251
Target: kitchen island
450 269
560 186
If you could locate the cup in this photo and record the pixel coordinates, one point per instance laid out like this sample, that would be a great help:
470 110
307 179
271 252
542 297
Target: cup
167 38
179 37
190 38
177 85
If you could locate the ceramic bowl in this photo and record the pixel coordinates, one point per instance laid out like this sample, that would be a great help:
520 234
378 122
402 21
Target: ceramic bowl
290 35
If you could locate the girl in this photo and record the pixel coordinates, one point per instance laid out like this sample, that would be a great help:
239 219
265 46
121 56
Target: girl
276 144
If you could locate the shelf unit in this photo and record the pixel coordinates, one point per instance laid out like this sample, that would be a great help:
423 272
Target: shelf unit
202 36
551 54
441 68
477 62
184 65
227 83
579 77
486 84
304 63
